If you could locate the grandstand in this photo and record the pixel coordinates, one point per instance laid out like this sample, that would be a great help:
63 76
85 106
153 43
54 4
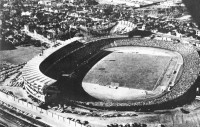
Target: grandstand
36 82
74 63
123 27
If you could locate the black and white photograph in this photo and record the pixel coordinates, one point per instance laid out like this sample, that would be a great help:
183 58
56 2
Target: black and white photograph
99 63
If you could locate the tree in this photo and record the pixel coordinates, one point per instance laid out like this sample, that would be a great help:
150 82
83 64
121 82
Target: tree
4 45
193 7
108 10
91 2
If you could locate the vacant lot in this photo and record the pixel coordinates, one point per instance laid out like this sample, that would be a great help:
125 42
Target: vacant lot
126 69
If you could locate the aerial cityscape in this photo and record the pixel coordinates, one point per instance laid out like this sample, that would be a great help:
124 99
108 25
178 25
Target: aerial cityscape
99 63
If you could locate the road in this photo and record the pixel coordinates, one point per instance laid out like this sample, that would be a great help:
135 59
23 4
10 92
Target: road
8 120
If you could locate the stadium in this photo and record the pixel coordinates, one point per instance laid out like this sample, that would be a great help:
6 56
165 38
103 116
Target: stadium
84 64
118 73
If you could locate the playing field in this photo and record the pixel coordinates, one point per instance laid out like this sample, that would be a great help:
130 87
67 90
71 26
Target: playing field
126 68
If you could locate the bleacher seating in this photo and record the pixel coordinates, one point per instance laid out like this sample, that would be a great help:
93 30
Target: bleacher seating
32 72
72 58
190 56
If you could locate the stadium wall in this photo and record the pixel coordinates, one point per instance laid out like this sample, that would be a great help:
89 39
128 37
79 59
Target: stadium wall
58 118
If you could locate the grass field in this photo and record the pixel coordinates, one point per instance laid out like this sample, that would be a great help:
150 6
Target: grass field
126 69
19 55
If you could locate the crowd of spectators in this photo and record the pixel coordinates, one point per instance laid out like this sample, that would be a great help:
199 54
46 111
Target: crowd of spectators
190 56
186 82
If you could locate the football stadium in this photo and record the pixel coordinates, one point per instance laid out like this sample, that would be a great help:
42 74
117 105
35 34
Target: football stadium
88 63
119 73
